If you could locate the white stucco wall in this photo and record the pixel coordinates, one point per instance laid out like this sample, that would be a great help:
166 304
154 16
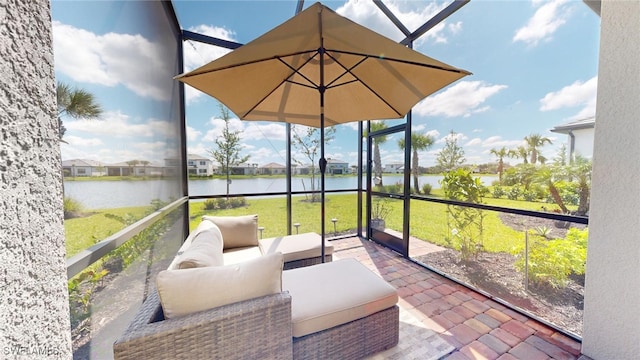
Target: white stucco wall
584 142
34 307
612 290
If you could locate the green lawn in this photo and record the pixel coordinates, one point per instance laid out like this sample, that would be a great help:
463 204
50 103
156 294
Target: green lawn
83 232
428 220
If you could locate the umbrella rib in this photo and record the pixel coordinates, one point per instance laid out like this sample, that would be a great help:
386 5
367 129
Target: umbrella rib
437 67
295 71
357 79
275 57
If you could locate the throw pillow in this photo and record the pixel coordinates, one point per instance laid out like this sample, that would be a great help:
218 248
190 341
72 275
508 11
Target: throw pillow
237 231
188 291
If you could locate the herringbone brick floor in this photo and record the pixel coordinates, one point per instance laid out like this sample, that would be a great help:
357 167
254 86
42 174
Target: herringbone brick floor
468 325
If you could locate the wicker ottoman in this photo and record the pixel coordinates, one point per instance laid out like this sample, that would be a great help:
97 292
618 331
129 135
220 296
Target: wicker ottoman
341 310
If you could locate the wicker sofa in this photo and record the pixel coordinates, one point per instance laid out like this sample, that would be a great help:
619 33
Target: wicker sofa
253 309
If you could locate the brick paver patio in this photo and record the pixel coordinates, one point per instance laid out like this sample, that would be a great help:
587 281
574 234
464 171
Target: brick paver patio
475 326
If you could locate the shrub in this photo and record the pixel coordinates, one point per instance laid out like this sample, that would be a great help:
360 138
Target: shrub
529 195
426 189
552 261
514 193
72 207
221 203
210 204
498 192
464 223
237 202
157 204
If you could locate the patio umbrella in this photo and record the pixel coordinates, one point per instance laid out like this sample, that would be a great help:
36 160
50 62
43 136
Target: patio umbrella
320 69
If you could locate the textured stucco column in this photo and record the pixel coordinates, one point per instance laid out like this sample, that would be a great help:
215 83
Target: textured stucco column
34 307
612 289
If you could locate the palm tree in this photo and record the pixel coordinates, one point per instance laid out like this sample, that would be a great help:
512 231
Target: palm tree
77 103
548 176
132 165
534 142
419 142
500 154
580 169
377 141
145 163
520 152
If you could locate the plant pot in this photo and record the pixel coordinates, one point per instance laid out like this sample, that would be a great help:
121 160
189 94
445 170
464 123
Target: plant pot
377 224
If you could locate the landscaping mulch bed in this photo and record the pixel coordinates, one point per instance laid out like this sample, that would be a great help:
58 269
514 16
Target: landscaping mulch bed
495 274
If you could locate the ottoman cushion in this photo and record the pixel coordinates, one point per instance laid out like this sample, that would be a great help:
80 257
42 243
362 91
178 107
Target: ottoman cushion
334 293
296 247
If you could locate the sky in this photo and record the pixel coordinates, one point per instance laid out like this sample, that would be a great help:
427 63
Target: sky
533 64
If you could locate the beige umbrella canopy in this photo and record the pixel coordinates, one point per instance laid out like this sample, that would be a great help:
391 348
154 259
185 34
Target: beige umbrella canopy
320 69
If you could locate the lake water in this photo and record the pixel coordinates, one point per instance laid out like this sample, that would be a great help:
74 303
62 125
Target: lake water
112 194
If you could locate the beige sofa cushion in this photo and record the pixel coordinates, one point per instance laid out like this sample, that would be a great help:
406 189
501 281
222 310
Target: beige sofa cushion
238 255
237 231
296 247
335 293
212 232
188 291
205 249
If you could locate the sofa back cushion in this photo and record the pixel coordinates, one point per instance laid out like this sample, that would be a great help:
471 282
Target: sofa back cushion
187 291
211 233
205 249
237 231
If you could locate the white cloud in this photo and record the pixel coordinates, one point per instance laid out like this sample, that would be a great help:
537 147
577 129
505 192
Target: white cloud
262 155
192 134
199 149
112 59
117 124
433 133
544 23
455 27
459 137
497 142
197 54
462 99
271 131
473 142
366 13
82 142
577 94
218 126
248 130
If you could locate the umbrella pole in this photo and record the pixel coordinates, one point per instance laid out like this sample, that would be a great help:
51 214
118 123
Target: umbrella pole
323 161
323 167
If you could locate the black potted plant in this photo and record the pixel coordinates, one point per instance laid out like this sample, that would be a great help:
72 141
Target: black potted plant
379 212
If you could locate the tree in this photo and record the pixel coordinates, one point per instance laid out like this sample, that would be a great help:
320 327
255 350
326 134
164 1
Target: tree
452 155
549 176
77 103
580 170
307 141
228 147
378 140
419 142
465 223
520 152
144 164
561 158
132 165
534 143
500 154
